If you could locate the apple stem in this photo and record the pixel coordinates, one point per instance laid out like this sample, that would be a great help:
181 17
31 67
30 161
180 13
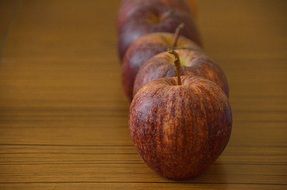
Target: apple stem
177 65
176 35
175 54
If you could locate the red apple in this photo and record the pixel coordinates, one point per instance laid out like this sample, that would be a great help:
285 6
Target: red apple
180 130
128 7
193 63
143 49
150 18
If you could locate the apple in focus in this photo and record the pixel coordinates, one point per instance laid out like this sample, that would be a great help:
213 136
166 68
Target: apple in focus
180 130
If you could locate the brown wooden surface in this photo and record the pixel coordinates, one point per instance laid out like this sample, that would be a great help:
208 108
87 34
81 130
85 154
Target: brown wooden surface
63 116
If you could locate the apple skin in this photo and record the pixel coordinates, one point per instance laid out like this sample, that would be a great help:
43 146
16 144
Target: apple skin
143 49
193 63
128 7
149 19
180 130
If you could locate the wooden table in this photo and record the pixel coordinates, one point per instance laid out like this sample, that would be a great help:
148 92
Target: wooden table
63 116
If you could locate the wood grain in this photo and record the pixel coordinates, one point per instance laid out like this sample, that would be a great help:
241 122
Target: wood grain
63 115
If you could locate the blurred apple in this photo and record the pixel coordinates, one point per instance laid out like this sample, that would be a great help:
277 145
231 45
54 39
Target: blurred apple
127 7
153 16
143 49
193 63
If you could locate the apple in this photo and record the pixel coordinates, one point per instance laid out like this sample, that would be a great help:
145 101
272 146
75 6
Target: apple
149 18
143 49
127 7
193 63
180 130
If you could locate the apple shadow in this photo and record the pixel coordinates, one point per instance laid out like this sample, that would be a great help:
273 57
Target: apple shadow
215 174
